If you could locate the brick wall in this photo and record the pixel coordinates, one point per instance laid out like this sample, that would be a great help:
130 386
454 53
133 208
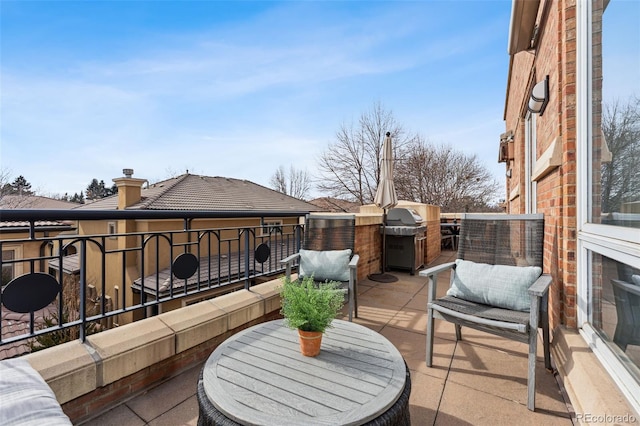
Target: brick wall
109 396
369 247
432 243
555 56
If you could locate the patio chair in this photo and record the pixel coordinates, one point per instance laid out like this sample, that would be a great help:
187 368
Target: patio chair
627 297
327 254
496 284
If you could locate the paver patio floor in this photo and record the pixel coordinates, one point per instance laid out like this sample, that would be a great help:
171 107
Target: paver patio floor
481 380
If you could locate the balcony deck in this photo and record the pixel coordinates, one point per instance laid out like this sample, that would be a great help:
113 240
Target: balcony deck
481 380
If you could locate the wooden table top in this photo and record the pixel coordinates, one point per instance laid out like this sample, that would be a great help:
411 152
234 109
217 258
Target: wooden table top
258 376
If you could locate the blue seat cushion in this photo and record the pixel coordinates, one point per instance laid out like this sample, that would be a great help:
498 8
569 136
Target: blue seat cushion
326 265
495 285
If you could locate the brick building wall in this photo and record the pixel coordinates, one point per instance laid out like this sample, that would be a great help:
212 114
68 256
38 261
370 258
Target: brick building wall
554 55
369 247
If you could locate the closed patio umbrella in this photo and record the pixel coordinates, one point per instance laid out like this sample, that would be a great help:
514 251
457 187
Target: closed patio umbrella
385 198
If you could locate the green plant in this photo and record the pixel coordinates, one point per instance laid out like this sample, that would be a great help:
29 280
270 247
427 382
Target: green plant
62 335
308 306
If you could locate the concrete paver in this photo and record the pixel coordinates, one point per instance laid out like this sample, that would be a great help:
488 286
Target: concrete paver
481 380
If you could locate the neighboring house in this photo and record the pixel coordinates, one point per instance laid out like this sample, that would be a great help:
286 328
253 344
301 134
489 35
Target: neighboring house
20 230
555 149
187 192
15 246
335 205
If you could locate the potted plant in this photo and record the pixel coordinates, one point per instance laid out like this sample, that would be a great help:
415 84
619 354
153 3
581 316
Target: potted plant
310 307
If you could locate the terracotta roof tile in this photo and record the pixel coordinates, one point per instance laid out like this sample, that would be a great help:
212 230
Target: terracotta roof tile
34 202
15 324
195 192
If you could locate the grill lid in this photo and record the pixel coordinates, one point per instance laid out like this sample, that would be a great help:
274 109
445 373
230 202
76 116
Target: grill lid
403 217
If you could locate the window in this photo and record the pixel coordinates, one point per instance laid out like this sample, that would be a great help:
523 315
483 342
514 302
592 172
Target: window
608 138
10 270
112 229
271 227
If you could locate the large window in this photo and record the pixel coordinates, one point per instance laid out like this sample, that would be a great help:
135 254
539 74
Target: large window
608 102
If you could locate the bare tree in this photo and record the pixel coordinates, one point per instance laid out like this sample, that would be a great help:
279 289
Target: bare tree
297 184
350 167
621 176
442 176
16 194
5 186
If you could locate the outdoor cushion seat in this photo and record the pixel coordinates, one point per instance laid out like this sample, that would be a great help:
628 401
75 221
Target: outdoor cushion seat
496 285
448 304
327 254
25 398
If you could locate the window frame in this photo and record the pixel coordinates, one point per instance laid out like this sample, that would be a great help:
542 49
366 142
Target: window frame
17 255
617 243
531 143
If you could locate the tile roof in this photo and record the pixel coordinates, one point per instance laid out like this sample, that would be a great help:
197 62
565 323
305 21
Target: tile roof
70 264
331 204
34 202
195 192
15 324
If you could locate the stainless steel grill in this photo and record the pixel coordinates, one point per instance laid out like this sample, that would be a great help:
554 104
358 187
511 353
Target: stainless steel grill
405 232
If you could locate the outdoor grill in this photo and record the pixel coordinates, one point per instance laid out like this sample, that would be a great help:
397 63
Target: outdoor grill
404 232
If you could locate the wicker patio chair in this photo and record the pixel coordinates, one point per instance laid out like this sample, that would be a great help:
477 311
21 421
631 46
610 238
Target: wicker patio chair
327 253
496 284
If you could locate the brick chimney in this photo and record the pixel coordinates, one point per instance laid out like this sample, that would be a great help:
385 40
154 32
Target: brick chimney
129 189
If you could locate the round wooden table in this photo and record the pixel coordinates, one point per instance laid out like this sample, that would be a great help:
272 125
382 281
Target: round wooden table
259 377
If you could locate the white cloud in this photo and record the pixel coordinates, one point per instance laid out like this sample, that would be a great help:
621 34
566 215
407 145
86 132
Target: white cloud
238 99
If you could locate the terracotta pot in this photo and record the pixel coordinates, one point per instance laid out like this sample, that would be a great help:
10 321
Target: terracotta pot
310 342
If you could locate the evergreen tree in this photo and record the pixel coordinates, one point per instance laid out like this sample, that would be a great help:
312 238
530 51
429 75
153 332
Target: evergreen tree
97 190
21 186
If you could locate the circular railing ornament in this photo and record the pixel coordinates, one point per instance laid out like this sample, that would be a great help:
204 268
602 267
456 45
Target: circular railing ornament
262 253
30 292
185 265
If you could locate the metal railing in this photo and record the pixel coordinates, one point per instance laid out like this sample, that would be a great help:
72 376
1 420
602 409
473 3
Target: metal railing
113 277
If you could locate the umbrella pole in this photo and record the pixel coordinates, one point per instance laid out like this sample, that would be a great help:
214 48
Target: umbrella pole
383 276
384 241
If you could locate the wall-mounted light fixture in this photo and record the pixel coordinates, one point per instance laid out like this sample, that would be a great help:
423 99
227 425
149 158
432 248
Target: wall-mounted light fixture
539 97
505 152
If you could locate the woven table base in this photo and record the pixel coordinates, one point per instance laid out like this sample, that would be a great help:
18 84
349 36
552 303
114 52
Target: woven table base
396 415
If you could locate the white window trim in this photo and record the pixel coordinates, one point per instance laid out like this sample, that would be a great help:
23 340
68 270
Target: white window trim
613 242
583 133
530 142
626 381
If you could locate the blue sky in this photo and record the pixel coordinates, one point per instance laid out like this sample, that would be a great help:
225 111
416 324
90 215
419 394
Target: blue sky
237 89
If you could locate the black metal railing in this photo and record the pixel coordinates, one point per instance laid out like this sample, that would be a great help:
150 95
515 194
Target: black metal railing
105 271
